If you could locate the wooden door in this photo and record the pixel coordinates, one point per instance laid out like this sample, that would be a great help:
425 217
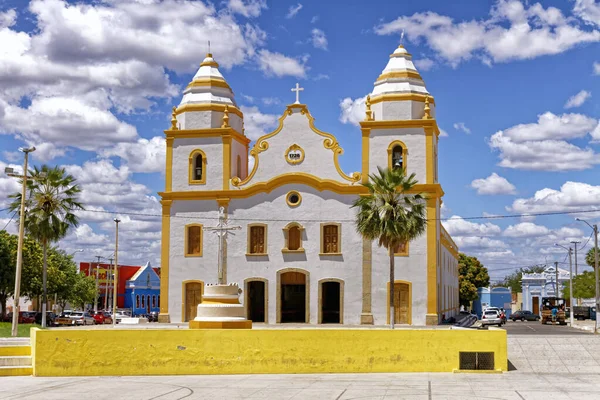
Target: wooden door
536 305
401 303
193 297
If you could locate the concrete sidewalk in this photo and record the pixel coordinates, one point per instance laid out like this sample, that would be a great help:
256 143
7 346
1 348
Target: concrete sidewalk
512 385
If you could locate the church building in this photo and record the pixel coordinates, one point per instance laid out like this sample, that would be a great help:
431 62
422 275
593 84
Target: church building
287 224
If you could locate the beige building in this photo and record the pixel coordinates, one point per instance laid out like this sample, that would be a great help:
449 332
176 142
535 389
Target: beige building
295 252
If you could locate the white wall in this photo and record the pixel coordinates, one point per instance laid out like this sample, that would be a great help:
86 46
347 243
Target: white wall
213 148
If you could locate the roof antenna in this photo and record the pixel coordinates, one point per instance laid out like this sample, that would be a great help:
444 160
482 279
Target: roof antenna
209 47
402 38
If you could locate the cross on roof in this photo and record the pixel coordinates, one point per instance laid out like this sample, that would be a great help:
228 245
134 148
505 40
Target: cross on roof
297 89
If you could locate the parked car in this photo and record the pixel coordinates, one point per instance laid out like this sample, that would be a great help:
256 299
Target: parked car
7 317
491 317
81 318
153 316
107 317
98 317
500 311
50 318
119 316
64 319
26 317
581 312
524 315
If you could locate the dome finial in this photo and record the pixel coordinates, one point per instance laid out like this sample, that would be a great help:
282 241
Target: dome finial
427 110
369 113
225 118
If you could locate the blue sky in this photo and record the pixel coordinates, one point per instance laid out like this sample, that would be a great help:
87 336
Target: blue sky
515 83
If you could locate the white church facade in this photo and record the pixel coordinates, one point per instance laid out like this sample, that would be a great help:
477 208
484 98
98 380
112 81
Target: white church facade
292 244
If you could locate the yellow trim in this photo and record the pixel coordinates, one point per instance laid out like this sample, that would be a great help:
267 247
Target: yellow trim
339 238
191 159
432 235
249 237
330 143
366 141
306 293
400 123
183 295
164 259
202 82
247 299
320 303
291 193
434 190
286 237
401 97
212 63
447 243
185 244
294 147
191 107
400 75
207 133
409 300
226 161
429 155
169 166
390 150
404 253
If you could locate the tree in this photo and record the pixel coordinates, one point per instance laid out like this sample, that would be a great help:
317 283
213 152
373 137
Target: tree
472 275
590 259
51 203
515 279
8 260
83 291
391 214
584 286
62 274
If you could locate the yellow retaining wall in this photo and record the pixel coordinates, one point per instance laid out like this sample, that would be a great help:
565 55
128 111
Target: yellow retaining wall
75 352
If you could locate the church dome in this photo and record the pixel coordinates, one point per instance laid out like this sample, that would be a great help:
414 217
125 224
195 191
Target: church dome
208 86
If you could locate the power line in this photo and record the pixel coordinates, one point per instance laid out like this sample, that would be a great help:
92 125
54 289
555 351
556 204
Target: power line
11 218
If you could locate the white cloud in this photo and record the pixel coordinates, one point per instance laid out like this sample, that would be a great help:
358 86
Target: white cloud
141 156
318 38
247 8
460 126
314 19
457 226
572 196
8 18
10 225
474 243
280 65
597 68
11 156
525 229
543 146
293 10
443 133
251 162
320 77
588 10
353 111
270 101
424 64
578 99
102 171
256 123
8 184
493 184
513 31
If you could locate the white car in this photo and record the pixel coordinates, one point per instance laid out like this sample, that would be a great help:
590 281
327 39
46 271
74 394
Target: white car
81 318
491 317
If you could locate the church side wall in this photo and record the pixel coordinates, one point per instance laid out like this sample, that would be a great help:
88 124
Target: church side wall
238 149
213 148
415 141
448 281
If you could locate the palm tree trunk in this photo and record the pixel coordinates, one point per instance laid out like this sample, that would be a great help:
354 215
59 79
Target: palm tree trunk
44 283
392 311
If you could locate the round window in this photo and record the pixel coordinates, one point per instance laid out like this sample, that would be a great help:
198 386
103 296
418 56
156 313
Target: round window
293 198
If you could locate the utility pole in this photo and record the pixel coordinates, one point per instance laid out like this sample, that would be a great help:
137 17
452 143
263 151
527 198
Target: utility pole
556 292
96 296
575 243
114 319
595 229
17 293
108 296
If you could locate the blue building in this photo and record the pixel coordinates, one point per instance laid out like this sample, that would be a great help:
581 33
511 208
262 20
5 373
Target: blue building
142 291
536 286
500 297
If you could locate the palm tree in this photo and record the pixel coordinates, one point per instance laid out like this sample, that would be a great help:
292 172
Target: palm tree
391 214
51 207
590 258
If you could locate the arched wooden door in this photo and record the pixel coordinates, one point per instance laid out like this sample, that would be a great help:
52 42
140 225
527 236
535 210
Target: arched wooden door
193 297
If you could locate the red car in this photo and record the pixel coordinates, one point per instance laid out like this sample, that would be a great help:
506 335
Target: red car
102 318
26 317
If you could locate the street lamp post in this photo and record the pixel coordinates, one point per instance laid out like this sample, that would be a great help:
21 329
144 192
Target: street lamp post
96 292
575 243
595 229
115 280
17 293
570 250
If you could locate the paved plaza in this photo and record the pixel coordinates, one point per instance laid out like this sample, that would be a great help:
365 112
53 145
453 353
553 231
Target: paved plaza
511 385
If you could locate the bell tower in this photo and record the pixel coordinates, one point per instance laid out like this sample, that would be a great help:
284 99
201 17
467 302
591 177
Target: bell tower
206 145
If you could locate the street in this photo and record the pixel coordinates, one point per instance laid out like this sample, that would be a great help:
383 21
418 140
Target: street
536 328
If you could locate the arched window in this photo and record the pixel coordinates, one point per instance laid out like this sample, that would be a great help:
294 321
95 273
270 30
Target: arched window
137 301
331 238
239 167
193 240
401 249
197 165
397 153
293 237
158 301
153 301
